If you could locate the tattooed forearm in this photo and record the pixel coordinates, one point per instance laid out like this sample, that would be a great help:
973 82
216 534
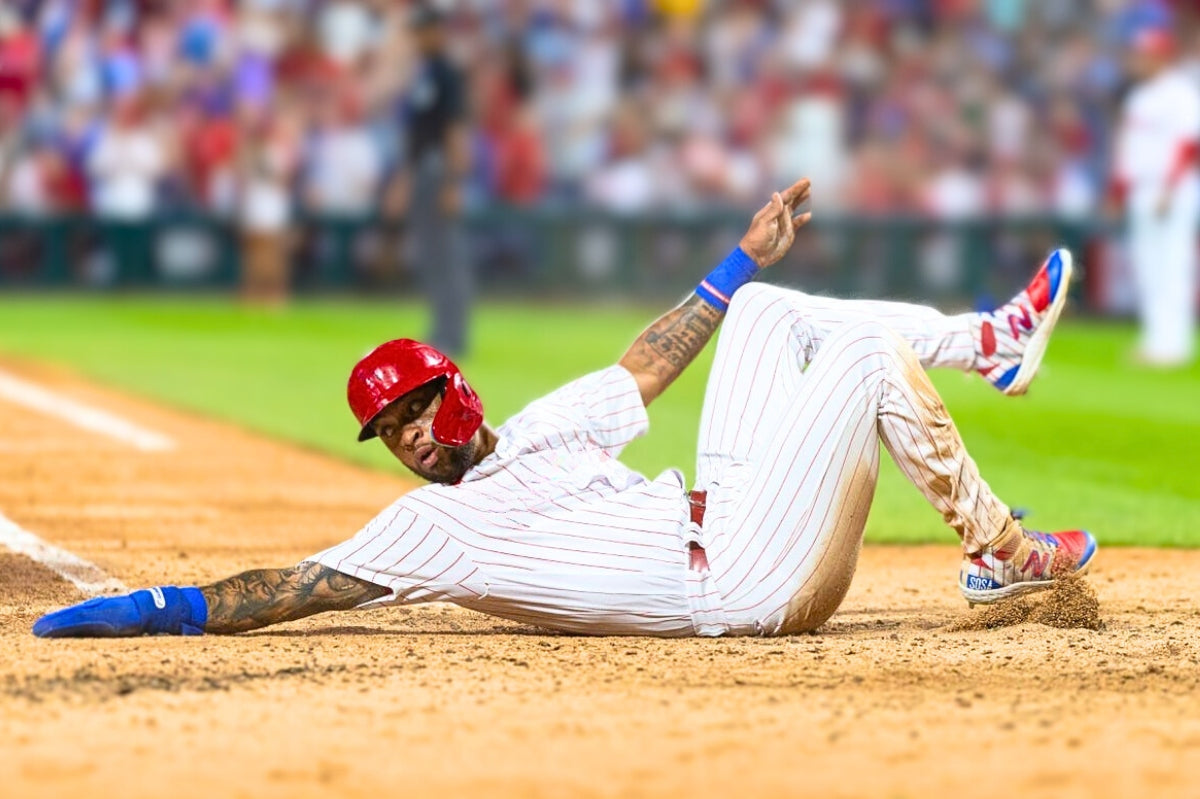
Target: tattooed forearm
257 598
670 344
679 337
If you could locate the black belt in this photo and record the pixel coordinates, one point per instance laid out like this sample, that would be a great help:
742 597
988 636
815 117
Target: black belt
698 558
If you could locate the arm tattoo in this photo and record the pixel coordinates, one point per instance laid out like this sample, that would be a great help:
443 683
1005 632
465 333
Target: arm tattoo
678 338
670 344
257 598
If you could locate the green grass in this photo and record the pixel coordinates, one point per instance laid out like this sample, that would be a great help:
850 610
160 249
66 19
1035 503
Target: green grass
1098 443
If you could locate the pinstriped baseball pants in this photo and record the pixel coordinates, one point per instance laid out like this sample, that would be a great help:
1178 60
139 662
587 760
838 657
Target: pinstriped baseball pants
802 392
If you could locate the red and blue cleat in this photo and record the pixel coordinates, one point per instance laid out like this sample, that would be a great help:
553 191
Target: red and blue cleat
1025 561
1012 339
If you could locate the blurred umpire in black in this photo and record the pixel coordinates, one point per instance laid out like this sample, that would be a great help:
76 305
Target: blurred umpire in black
430 186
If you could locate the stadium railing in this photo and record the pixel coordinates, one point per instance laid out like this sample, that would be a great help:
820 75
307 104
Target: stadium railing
568 252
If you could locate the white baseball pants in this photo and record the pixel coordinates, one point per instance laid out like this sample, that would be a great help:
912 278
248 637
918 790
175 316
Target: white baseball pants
802 391
1163 253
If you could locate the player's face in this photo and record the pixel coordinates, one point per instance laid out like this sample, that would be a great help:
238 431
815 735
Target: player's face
404 427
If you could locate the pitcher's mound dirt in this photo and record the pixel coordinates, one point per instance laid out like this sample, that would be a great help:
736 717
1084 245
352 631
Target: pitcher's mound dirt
1070 603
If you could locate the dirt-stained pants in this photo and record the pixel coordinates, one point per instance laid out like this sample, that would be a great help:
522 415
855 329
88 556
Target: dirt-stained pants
803 390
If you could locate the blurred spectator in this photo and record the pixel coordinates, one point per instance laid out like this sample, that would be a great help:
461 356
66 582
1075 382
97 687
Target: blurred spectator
126 162
629 105
809 136
210 142
520 159
20 59
954 192
346 30
42 182
626 184
343 164
75 75
267 162
125 165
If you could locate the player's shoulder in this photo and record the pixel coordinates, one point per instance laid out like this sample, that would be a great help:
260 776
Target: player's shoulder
582 391
575 413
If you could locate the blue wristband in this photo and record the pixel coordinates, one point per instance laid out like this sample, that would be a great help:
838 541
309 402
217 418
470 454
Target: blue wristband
735 271
155 611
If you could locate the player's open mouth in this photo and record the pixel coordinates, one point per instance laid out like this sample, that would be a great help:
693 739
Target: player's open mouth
427 456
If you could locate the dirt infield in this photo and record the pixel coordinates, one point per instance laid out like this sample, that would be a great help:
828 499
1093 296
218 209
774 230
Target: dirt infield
904 693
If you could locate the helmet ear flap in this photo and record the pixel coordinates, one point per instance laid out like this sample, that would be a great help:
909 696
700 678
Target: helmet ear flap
460 415
393 369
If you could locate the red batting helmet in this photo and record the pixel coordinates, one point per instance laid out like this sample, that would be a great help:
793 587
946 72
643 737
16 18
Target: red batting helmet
395 368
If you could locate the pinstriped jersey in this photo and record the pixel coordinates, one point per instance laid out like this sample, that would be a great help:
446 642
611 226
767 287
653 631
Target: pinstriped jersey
550 529
1159 117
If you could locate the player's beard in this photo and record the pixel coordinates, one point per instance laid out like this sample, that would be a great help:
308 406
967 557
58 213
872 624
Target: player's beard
455 463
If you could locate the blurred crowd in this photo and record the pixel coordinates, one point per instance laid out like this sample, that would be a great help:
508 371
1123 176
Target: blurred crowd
951 108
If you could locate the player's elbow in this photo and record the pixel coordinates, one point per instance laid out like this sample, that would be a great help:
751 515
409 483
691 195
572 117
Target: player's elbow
649 386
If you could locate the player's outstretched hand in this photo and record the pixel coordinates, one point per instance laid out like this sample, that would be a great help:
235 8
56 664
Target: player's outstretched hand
773 228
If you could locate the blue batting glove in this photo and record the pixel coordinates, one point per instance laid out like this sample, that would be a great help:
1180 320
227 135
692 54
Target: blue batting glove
165 610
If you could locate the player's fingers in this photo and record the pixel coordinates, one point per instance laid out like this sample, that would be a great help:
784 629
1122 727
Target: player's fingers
780 209
793 191
802 197
801 220
797 193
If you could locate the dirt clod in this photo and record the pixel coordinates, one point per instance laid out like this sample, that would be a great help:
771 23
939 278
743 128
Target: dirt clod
1071 603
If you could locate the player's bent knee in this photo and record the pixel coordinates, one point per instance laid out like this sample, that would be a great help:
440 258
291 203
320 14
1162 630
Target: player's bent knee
867 328
860 336
754 297
868 335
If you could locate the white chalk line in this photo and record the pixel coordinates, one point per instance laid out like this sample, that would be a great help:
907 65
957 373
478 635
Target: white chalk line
87 577
34 397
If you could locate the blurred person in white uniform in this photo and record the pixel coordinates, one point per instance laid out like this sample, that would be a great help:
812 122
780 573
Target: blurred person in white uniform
1155 181
267 161
345 165
125 166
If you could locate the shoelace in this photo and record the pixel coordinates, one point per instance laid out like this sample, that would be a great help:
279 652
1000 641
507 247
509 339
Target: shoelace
1045 538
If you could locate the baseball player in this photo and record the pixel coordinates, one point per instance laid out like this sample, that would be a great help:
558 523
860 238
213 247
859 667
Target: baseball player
539 522
1155 179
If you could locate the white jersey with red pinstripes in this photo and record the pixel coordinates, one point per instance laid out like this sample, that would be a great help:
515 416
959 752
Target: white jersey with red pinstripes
1159 118
550 529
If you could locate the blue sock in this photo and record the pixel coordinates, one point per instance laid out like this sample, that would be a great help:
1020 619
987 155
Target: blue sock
155 611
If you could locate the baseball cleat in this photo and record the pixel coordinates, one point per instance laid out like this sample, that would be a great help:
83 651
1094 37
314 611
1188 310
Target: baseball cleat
1012 339
1029 561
